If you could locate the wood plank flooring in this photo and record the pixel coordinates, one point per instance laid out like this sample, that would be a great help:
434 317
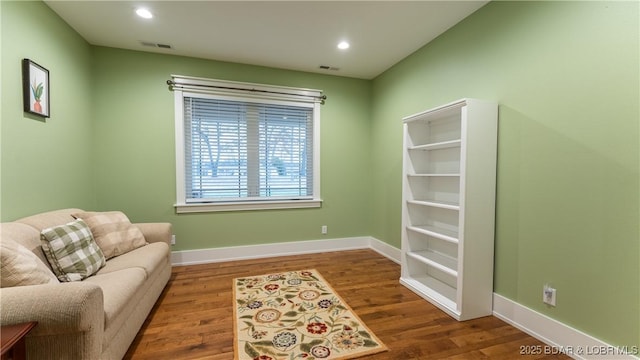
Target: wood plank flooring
193 317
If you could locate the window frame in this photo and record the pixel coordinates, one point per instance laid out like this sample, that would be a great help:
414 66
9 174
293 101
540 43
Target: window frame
248 92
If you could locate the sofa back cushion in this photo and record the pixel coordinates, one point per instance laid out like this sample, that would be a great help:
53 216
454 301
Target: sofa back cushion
49 219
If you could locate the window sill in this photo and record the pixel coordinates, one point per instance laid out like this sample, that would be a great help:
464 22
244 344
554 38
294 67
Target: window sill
247 206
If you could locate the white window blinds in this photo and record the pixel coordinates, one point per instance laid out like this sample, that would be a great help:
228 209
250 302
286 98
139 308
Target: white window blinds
240 150
247 151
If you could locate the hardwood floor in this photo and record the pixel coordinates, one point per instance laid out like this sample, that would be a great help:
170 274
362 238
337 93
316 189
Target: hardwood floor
193 317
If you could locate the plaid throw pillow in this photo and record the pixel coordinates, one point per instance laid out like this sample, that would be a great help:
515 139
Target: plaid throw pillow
71 251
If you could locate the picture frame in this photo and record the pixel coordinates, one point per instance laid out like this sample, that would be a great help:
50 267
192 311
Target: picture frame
35 88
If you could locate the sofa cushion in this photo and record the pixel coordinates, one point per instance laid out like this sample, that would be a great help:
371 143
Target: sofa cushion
71 251
149 258
119 288
113 232
20 267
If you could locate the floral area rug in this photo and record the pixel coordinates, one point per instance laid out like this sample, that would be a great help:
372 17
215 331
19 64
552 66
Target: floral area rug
296 315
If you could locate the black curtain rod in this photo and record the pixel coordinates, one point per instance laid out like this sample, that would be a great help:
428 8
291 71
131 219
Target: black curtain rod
322 98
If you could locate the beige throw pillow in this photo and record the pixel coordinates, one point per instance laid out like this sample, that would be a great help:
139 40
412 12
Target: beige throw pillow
20 267
113 232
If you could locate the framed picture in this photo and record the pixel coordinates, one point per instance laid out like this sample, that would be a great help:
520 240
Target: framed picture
35 88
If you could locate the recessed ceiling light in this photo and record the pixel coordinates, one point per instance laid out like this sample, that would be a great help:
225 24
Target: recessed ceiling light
343 45
144 13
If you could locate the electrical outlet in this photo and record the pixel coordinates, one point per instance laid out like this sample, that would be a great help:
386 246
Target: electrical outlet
173 239
324 229
549 295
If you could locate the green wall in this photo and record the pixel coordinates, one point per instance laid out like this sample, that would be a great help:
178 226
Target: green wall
46 164
566 76
135 151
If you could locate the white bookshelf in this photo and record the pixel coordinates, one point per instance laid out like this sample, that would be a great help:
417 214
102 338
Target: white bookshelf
448 206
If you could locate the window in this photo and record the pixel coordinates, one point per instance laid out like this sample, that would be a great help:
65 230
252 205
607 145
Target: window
244 146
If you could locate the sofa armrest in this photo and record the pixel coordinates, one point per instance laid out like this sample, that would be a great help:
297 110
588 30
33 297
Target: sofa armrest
156 232
70 317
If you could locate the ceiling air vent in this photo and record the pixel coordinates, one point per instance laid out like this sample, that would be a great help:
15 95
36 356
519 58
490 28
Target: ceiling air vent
152 44
327 67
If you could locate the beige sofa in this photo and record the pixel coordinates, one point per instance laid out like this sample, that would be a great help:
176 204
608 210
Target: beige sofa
98 317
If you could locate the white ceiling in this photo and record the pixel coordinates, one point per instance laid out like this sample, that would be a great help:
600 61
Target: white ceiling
296 35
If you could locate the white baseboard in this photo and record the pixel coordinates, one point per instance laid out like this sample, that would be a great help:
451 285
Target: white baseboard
204 256
559 337
390 252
